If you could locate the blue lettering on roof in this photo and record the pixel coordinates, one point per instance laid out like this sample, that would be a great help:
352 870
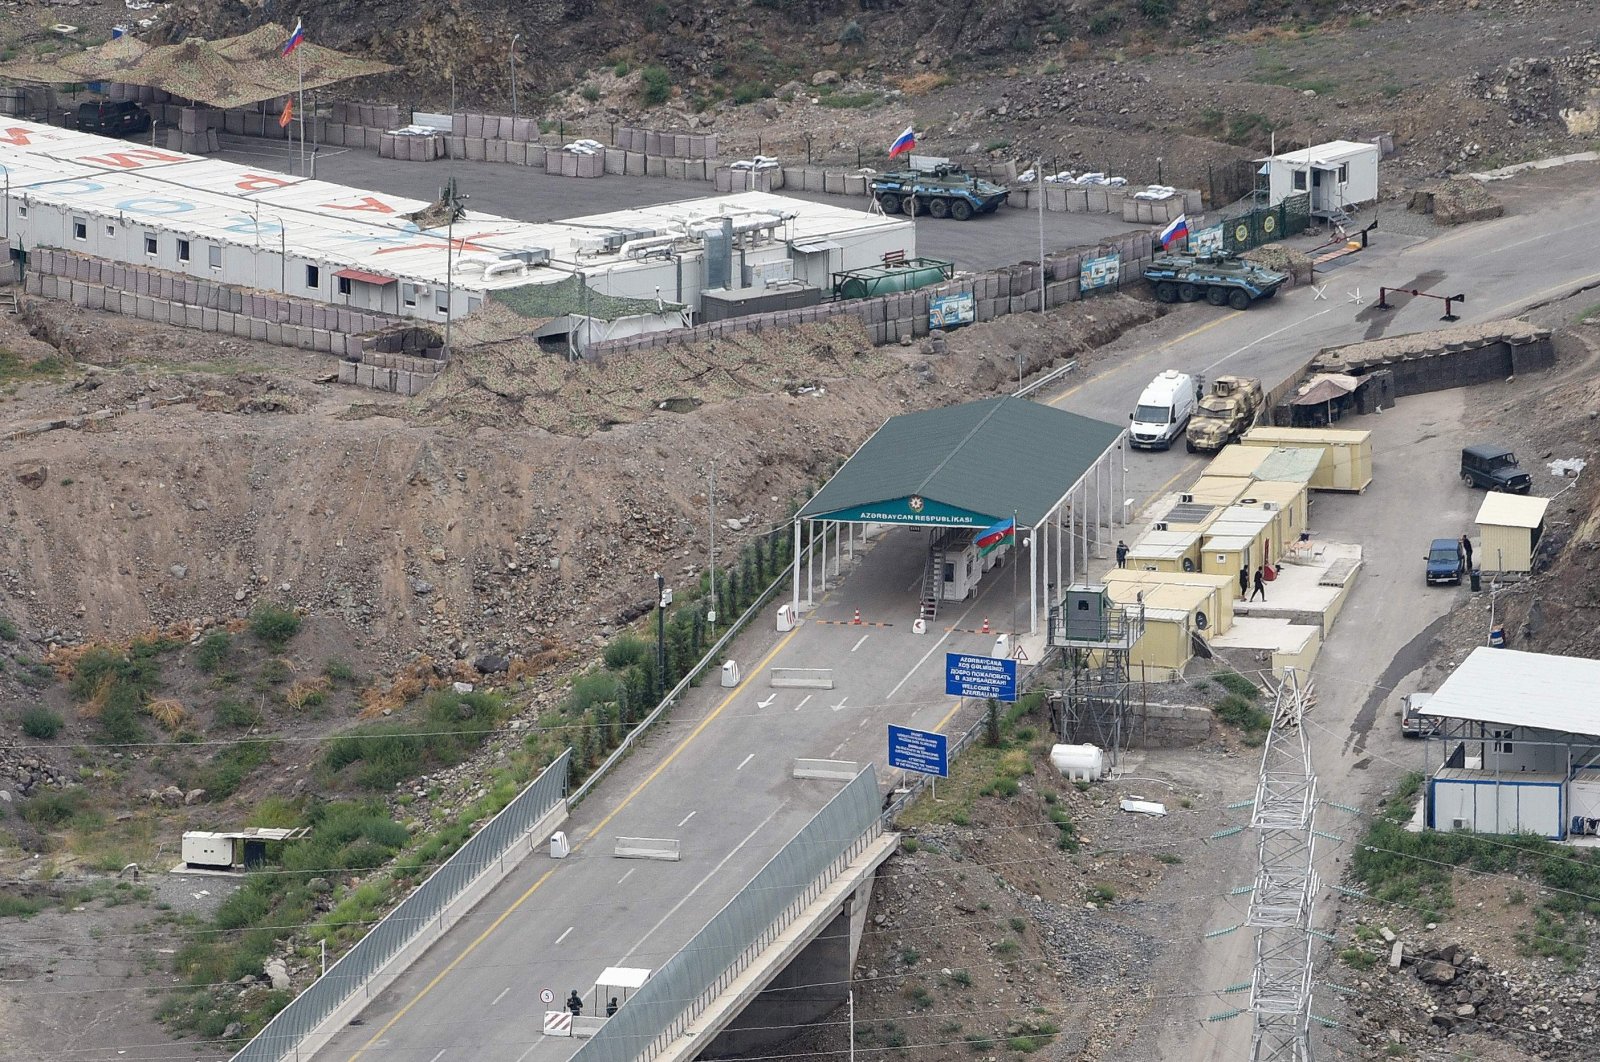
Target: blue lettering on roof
79 187
252 226
155 205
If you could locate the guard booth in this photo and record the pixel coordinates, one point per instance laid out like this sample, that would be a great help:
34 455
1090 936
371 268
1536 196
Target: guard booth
1509 530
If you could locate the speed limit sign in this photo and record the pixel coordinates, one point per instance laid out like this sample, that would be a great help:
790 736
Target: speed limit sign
546 996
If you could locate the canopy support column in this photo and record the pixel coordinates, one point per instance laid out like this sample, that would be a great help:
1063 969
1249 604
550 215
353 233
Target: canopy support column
1033 581
796 599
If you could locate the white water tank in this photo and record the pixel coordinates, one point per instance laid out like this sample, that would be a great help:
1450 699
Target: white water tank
1079 763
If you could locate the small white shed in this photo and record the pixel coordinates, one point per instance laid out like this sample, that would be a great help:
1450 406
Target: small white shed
1339 175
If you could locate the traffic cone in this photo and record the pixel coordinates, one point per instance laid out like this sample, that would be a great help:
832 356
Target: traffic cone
857 621
985 629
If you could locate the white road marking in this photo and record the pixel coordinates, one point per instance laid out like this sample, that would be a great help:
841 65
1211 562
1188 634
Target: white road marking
687 817
564 935
629 874
856 646
436 1057
713 872
742 762
501 996
934 648
529 1051
1297 324
803 701
768 702
837 747
840 705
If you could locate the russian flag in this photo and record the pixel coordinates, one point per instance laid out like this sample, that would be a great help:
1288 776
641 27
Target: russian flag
1001 534
294 40
1177 230
903 143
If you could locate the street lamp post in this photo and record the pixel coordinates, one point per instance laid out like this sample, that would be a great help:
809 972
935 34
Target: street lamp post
515 37
661 631
711 502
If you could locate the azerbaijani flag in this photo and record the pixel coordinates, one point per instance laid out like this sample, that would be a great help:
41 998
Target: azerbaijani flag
903 143
294 40
1002 534
1177 230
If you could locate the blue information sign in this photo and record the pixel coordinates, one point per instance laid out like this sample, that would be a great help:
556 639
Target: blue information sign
980 676
919 750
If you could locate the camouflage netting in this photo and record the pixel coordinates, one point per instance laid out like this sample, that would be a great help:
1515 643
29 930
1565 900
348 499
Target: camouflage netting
234 72
1457 201
517 380
1281 259
1375 353
544 301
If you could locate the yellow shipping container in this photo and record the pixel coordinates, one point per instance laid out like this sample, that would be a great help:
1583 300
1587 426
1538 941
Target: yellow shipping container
1346 462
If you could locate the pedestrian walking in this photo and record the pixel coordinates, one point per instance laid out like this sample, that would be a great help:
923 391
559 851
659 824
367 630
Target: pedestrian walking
575 1004
1466 551
1122 554
611 1008
1244 582
1261 587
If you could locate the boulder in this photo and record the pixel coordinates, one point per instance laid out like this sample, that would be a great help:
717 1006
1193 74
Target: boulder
1435 972
826 77
33 476
277 973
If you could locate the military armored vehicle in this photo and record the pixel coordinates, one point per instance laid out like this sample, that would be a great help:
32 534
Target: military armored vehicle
1224 413
943 192
1219 279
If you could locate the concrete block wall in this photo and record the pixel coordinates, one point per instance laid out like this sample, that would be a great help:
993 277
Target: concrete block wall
1170 726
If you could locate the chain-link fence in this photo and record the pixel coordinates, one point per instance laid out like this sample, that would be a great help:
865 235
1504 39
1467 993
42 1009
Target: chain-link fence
686 985
283 1035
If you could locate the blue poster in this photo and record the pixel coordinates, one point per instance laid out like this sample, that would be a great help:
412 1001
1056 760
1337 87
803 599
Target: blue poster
922 751
980 676
1100 272
947 311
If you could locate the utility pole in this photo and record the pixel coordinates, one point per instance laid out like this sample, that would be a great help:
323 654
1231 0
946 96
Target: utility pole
1283 901
661 632
1044 279
711 503
515 37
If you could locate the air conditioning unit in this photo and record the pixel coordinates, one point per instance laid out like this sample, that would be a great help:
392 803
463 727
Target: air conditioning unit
1187 499
1271 507
1458 824
1162 526
420 289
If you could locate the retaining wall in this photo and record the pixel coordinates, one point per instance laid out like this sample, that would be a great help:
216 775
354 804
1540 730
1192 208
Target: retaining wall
1169 726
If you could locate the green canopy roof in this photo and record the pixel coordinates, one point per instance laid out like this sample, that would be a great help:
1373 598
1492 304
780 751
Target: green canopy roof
967 465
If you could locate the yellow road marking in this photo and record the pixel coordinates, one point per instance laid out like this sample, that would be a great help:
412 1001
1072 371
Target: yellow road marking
1169 343
776 649
951 714
442 974
453 964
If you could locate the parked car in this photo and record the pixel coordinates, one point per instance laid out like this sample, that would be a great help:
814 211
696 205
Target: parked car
1414 722
113 118
1445 563
1493 467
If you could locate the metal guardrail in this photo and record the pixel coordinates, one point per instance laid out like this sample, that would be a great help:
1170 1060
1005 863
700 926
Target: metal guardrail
707 661
901 801
678 993
284 1033
1048 378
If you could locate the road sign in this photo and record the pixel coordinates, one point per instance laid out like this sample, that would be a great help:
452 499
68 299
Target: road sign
546 996
980 676
919 750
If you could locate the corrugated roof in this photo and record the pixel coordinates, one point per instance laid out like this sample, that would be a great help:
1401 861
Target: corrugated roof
1324 154
1522 689
994 457
1512 510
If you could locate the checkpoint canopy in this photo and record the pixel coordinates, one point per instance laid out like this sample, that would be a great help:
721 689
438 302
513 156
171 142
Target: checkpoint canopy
976 464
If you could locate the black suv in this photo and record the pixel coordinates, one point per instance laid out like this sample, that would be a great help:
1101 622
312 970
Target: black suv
109 118
1493 468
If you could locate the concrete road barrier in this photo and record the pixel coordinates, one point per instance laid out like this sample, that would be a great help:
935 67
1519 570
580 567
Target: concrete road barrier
806 678
828 770
647 848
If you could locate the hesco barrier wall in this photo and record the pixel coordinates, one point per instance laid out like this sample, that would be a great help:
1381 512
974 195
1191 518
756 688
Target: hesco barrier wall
686 984
488 850
905 315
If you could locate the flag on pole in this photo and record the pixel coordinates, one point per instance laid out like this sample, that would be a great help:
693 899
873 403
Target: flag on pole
906 141
288 113
1177 230
1002 534
294 40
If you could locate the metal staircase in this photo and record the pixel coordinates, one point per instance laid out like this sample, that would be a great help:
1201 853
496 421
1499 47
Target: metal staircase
933 579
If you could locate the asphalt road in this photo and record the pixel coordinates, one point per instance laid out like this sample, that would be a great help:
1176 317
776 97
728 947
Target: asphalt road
527 194
718 778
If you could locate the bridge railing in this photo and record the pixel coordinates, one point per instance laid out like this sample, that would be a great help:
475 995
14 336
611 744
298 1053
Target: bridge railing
691 980
283 1035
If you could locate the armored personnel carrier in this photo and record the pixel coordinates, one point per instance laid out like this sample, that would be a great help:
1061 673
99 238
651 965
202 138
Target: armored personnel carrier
942 192
1220 280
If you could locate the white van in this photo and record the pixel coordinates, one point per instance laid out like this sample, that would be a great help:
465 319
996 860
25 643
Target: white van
1163 411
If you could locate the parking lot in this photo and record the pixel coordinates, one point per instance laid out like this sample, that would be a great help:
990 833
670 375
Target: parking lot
1005 237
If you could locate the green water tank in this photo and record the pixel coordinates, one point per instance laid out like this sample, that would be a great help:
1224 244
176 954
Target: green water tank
866 283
